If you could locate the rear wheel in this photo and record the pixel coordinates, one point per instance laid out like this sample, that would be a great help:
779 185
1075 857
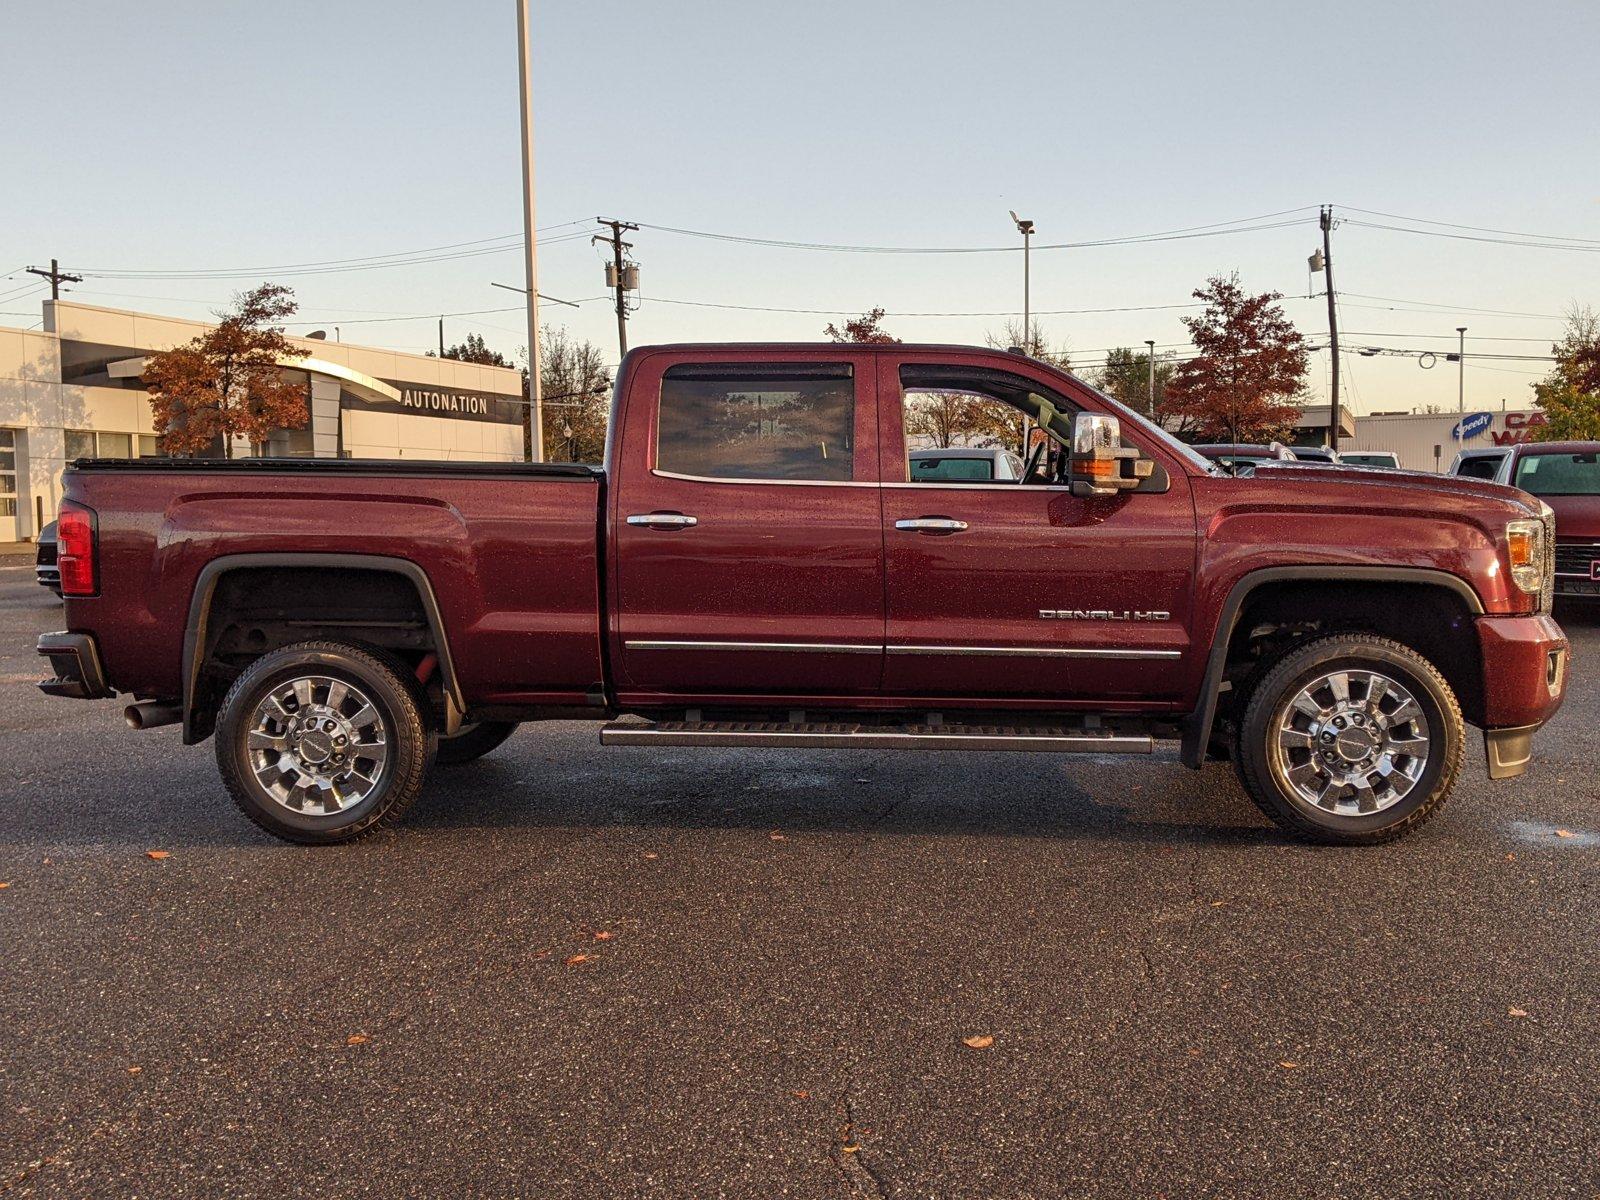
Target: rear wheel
1351 739
323 742
473 741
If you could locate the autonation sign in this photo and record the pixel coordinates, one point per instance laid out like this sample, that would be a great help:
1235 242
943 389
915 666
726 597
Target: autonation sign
454 403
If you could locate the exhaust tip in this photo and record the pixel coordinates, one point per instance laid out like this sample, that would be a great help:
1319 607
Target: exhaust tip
151 714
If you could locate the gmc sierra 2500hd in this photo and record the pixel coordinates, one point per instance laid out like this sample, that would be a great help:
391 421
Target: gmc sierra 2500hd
755 565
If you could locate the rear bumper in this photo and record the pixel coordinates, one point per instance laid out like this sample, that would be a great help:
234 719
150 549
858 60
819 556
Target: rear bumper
75 659
1526 661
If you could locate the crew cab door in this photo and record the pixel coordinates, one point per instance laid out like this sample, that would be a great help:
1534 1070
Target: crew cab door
746 529
1021 589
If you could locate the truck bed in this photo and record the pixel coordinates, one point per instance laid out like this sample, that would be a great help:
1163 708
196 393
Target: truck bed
509 552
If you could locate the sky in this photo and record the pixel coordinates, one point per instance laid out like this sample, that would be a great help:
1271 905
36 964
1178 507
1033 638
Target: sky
227 138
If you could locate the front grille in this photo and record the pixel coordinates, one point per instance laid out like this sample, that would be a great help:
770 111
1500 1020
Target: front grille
1577 558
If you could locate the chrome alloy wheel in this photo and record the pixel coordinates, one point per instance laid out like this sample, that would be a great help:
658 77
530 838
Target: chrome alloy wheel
1351 742
317 745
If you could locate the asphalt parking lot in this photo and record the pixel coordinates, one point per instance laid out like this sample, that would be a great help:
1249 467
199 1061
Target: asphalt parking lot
576 972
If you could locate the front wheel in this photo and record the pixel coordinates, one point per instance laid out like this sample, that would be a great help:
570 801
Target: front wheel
322 742
1351 740
473 741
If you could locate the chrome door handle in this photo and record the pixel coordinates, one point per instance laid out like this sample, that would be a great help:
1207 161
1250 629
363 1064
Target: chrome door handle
663 520
932 525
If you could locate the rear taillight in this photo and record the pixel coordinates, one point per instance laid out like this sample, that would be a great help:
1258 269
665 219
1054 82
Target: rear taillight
75 550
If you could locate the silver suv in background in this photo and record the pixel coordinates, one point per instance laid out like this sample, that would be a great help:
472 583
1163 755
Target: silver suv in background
1479 464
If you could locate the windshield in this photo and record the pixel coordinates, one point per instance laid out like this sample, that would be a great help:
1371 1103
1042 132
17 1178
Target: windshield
1560 474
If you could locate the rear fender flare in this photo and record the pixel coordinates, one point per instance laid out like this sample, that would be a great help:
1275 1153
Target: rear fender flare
194 635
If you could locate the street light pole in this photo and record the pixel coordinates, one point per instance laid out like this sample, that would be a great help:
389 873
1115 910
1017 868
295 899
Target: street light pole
1150 398
1461 373
1025 228
530 247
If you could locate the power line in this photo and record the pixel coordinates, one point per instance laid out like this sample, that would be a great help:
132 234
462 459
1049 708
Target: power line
1474 228
1217 229
1474 237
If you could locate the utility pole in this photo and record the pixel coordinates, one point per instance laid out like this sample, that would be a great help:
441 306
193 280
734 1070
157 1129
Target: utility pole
621 275
530 247
1333 324
56 276
1461 373
1025 228
1150 397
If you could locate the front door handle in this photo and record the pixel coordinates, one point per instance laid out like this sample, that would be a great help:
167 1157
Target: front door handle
932 525
663 520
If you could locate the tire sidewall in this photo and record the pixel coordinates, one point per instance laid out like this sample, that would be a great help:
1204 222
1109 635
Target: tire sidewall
1300 668
388 694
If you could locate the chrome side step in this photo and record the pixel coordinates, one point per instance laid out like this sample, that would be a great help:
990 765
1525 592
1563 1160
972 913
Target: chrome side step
847 735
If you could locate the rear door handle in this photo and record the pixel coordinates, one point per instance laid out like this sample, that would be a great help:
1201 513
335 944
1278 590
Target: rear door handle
932 525
663 520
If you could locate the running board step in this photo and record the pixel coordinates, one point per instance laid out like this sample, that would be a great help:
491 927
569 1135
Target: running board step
848 735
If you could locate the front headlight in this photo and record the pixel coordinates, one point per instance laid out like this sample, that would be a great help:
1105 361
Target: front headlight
1525 549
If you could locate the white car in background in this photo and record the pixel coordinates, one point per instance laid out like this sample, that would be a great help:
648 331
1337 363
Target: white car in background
965 464
1386 459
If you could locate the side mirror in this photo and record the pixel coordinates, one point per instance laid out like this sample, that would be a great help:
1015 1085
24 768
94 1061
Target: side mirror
1099 457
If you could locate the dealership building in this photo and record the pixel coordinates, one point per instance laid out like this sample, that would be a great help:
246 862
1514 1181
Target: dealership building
73 389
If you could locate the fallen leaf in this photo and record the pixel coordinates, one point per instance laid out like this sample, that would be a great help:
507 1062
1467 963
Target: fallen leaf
1218 903
651 854
802 1094
1516 1012
1511 858
1288 1066
603 935
355 1039
3 886
980 1041
134 1070
158 855
574 959
850 1149
777 837
1565 833
542 954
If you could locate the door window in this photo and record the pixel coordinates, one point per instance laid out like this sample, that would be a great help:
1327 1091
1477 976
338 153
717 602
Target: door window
966 426
733 423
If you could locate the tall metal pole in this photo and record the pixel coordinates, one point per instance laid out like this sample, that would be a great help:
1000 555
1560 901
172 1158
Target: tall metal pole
1333 326
1461 374
1150 398
530 247
1027 286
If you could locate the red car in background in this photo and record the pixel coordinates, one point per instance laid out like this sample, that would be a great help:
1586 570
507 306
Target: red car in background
1566 476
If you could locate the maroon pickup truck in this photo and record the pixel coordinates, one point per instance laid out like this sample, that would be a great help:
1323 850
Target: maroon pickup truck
754 566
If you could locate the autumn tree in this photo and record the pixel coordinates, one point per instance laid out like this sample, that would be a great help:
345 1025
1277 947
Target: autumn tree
1250 368
473 350
1032 341
942 419
1125 376
575 394
868 327
229 382
1569 397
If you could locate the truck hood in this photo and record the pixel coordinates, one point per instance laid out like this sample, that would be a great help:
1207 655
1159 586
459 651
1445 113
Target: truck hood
1404 487
1577 517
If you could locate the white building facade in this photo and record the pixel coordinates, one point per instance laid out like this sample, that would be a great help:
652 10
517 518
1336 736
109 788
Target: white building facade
1430 441
73 390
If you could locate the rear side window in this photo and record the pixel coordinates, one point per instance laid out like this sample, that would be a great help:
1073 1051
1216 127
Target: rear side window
1479 468
733 423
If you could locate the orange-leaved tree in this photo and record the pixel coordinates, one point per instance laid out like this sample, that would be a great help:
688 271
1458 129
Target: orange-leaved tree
230 380
1250 369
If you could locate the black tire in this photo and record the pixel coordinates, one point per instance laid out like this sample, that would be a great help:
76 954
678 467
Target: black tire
399 704
1263 765
473 741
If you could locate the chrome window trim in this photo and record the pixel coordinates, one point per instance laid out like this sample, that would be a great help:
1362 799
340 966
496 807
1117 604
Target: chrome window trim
1109 652
1015 485
855 483
1038 652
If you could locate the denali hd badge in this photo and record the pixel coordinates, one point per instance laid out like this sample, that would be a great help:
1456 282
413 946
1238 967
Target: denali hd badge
1102 614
